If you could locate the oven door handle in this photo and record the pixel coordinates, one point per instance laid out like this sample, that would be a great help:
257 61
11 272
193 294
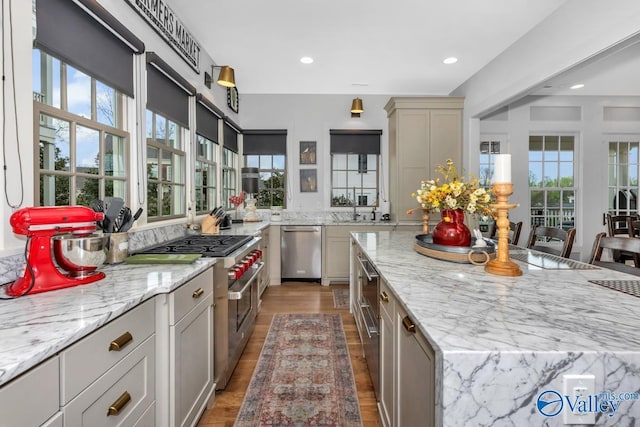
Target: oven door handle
371 329
236 295
370 274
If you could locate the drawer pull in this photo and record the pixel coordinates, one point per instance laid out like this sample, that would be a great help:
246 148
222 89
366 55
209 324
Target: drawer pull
384 297
121 342
408 324
119 404
197 293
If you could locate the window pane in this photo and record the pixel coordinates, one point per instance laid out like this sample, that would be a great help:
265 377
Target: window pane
278 162
160 134
153 162
550 174
78 92
149 125
88 190
55 144
339 198
115 188
105 104
369 179
266 162
354 179
178 165
340 179
174 136
252 161
566 174
535 148
87 150
167 166
152 199
339 161
551 148
114 156
55 190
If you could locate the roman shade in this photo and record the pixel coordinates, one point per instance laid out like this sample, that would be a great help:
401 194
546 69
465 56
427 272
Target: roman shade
231 131
167 92
207 116
89 39
354 141
264 141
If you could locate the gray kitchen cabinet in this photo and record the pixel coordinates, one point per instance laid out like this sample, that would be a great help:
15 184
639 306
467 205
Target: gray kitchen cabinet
423 133
415 375
33 399
407 368
107 378
335 248
387 355
184 329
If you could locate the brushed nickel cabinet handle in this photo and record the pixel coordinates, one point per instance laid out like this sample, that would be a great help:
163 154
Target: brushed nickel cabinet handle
384 297
197 293
408 324
119 404
121 342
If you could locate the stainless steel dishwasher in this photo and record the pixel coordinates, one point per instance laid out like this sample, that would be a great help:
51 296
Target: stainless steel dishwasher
301 256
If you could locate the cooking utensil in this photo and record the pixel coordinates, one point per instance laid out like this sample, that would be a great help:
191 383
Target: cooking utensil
112 212
137 214
124 217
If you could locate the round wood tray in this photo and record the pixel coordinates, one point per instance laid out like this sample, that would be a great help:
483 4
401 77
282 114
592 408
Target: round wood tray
463 254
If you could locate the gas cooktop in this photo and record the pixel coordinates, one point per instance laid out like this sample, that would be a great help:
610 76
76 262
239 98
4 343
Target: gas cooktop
208 246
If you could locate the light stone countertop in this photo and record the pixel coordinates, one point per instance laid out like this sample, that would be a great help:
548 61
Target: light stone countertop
38 326
501 341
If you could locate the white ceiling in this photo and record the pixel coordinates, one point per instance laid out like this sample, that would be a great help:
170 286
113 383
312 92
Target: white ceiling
373 47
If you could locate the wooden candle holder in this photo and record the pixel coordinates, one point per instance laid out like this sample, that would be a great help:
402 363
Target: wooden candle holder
502 265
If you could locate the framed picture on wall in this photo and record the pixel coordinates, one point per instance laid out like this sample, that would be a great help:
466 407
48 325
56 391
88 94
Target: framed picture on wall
307 152
308 181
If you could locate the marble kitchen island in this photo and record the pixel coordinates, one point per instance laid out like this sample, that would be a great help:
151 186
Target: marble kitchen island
500 342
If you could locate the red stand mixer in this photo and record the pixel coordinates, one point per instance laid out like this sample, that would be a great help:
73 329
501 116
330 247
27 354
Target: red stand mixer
56 226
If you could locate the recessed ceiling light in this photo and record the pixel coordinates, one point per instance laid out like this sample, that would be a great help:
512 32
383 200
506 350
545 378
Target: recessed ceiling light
578 86
450 60
306 60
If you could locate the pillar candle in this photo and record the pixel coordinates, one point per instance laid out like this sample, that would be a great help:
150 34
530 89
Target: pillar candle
502 168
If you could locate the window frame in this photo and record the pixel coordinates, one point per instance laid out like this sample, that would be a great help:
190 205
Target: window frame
212 163
360 189
41 107
614 172
566 216
152 142
271 172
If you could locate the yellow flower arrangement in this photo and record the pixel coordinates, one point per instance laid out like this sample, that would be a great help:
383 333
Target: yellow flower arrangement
454 193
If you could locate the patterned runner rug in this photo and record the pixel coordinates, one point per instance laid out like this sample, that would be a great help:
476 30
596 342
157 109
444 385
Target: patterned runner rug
340 298
303 376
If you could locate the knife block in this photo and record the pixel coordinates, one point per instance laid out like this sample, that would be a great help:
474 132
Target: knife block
209 225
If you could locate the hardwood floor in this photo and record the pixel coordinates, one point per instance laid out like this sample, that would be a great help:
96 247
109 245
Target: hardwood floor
292 297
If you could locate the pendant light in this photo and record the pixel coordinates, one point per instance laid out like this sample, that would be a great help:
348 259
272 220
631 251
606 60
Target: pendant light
356 106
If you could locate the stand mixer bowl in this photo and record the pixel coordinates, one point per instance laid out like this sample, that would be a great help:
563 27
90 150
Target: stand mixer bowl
80 255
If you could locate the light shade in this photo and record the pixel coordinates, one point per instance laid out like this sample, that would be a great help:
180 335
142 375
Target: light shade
356 106
226 77
250 180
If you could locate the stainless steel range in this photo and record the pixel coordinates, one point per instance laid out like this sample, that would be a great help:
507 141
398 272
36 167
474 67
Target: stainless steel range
235 292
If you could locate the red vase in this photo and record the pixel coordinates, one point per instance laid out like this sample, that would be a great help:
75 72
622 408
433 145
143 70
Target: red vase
451 231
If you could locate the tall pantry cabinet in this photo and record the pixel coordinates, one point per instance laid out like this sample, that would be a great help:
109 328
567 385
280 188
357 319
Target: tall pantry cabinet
423 133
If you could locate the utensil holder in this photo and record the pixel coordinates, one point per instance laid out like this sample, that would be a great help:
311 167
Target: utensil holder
209 225
118 248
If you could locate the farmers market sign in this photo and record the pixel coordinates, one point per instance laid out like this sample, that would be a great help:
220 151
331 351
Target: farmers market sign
162 19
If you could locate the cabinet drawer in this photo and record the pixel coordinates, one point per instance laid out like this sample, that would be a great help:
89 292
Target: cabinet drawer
129 387
32 398
85 361
186 297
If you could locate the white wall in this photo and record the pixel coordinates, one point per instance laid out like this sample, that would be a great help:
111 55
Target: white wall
309 118
592 136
